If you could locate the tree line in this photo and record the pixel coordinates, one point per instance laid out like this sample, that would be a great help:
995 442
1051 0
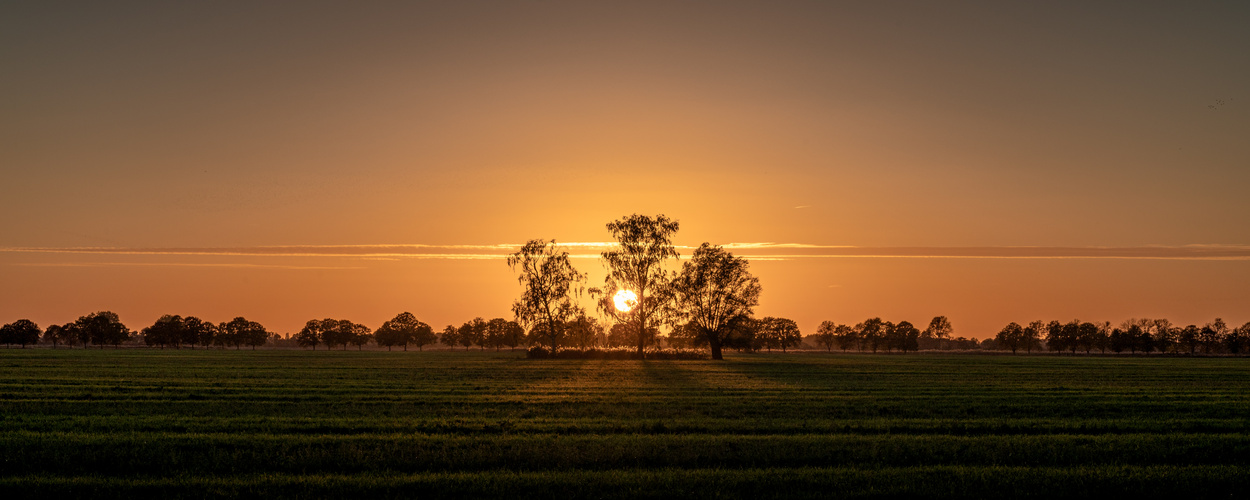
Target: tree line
1132 335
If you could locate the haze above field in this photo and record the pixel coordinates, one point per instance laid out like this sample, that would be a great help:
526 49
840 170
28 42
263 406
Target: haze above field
989 162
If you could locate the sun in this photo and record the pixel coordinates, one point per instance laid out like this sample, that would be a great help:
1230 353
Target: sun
625 300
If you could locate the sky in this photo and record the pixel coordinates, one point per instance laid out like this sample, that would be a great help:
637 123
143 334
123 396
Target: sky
283 161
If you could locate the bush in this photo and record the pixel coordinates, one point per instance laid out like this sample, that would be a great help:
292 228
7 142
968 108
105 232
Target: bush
539 352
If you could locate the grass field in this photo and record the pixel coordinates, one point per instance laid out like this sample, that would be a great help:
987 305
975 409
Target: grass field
116 423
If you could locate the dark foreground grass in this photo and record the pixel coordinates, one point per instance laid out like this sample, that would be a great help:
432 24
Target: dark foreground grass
339 424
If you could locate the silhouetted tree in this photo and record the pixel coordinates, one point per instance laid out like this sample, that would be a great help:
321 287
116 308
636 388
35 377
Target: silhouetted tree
1187 338
826 334
1010 337
846 336
168 331
514 335
1238 339
939 328
583 331
402 330
22 331
311 334
102 328
779 333
904 337
450 336
1164 335
57 334
872 333
550 286
744 335
1033 334
495 331
1211 335
711 291
239 332
637 264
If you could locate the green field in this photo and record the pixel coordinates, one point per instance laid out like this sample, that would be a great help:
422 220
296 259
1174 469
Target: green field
116 423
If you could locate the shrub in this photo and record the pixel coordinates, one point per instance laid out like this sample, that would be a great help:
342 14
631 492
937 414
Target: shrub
539 352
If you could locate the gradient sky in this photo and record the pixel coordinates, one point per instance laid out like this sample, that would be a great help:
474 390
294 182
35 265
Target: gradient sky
990 161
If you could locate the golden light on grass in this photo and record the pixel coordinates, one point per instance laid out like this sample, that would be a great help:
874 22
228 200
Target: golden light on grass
625 300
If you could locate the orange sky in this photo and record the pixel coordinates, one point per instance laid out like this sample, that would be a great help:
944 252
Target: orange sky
935 127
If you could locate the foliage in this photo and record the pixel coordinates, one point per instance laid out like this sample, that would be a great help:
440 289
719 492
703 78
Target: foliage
549 285
644 243
714 289
101 328
22 331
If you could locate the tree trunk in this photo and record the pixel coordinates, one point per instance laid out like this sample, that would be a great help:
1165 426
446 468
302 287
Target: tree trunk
716 351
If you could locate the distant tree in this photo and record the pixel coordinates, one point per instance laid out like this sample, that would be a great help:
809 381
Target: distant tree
195 331
939 328
550 286
343 332
779 333
311 334
22 331
360 335
622 334
466 334
744 335
872 333
449 336
56 334
637 264
402 330
1033 334
583 331
102 328
1213 334
495 329
1120 340
1010 337
1237 339
846 336
826 334
168 331
514 335
685 336
1086 337
239 332
712 290
1164 335
1187 338
904 336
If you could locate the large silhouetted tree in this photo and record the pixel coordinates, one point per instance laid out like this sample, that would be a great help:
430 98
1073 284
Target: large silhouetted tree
637 265
712 290
22 331
550 286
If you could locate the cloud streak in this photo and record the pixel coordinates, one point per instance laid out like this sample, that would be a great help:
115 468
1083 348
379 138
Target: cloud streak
590 250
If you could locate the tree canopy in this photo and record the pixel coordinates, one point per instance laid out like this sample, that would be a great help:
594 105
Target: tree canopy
712 290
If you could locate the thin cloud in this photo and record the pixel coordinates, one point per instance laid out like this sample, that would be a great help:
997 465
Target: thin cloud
754 250
181 264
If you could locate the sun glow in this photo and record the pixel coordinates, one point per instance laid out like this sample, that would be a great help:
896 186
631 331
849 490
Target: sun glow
625 300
